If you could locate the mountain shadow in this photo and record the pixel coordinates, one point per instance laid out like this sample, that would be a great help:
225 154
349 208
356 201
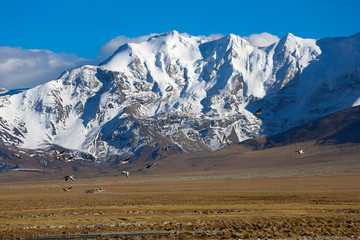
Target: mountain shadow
337 128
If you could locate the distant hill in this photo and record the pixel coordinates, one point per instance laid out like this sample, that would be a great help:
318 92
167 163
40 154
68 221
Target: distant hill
337 128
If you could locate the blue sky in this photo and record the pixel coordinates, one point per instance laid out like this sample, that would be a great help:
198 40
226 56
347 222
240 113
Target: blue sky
78 29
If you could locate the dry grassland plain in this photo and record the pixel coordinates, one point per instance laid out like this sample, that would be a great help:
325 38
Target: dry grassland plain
169 207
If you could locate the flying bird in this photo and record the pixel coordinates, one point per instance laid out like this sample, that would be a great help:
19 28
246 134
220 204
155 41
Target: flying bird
60 155
152 164
125 161
126 173
301 151
69 177
67 189
70 159
258 112
16 155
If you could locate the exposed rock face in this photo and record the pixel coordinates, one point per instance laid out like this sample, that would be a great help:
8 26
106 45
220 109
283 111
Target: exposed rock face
175 90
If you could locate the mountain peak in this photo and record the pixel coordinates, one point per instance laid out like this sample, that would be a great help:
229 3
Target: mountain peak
176 91
165 36
123 48
172 33
235 38
289 35
297 46
230 41
288 38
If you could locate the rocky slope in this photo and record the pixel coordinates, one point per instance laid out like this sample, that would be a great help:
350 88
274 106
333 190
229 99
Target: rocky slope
185 93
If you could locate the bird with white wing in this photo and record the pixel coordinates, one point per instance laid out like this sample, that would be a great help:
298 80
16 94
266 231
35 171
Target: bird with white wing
126 173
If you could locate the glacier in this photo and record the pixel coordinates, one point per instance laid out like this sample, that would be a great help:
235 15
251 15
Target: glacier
184 92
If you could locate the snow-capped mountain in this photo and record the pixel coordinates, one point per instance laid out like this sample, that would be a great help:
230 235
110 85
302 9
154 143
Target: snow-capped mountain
180 91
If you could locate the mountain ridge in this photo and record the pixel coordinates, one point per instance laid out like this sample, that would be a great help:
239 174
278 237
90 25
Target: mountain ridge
337 128
179 91
330 144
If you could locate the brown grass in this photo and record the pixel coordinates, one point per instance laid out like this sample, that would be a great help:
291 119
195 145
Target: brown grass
186 208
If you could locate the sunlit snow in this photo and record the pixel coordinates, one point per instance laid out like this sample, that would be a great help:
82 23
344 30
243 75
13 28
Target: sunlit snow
188 90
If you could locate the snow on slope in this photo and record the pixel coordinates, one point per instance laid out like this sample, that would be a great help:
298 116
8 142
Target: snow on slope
180 90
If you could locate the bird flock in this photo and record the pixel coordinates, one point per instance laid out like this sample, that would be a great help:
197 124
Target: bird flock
61 156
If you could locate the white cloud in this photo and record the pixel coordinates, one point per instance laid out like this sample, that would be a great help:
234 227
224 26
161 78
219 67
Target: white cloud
262 40
20 68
